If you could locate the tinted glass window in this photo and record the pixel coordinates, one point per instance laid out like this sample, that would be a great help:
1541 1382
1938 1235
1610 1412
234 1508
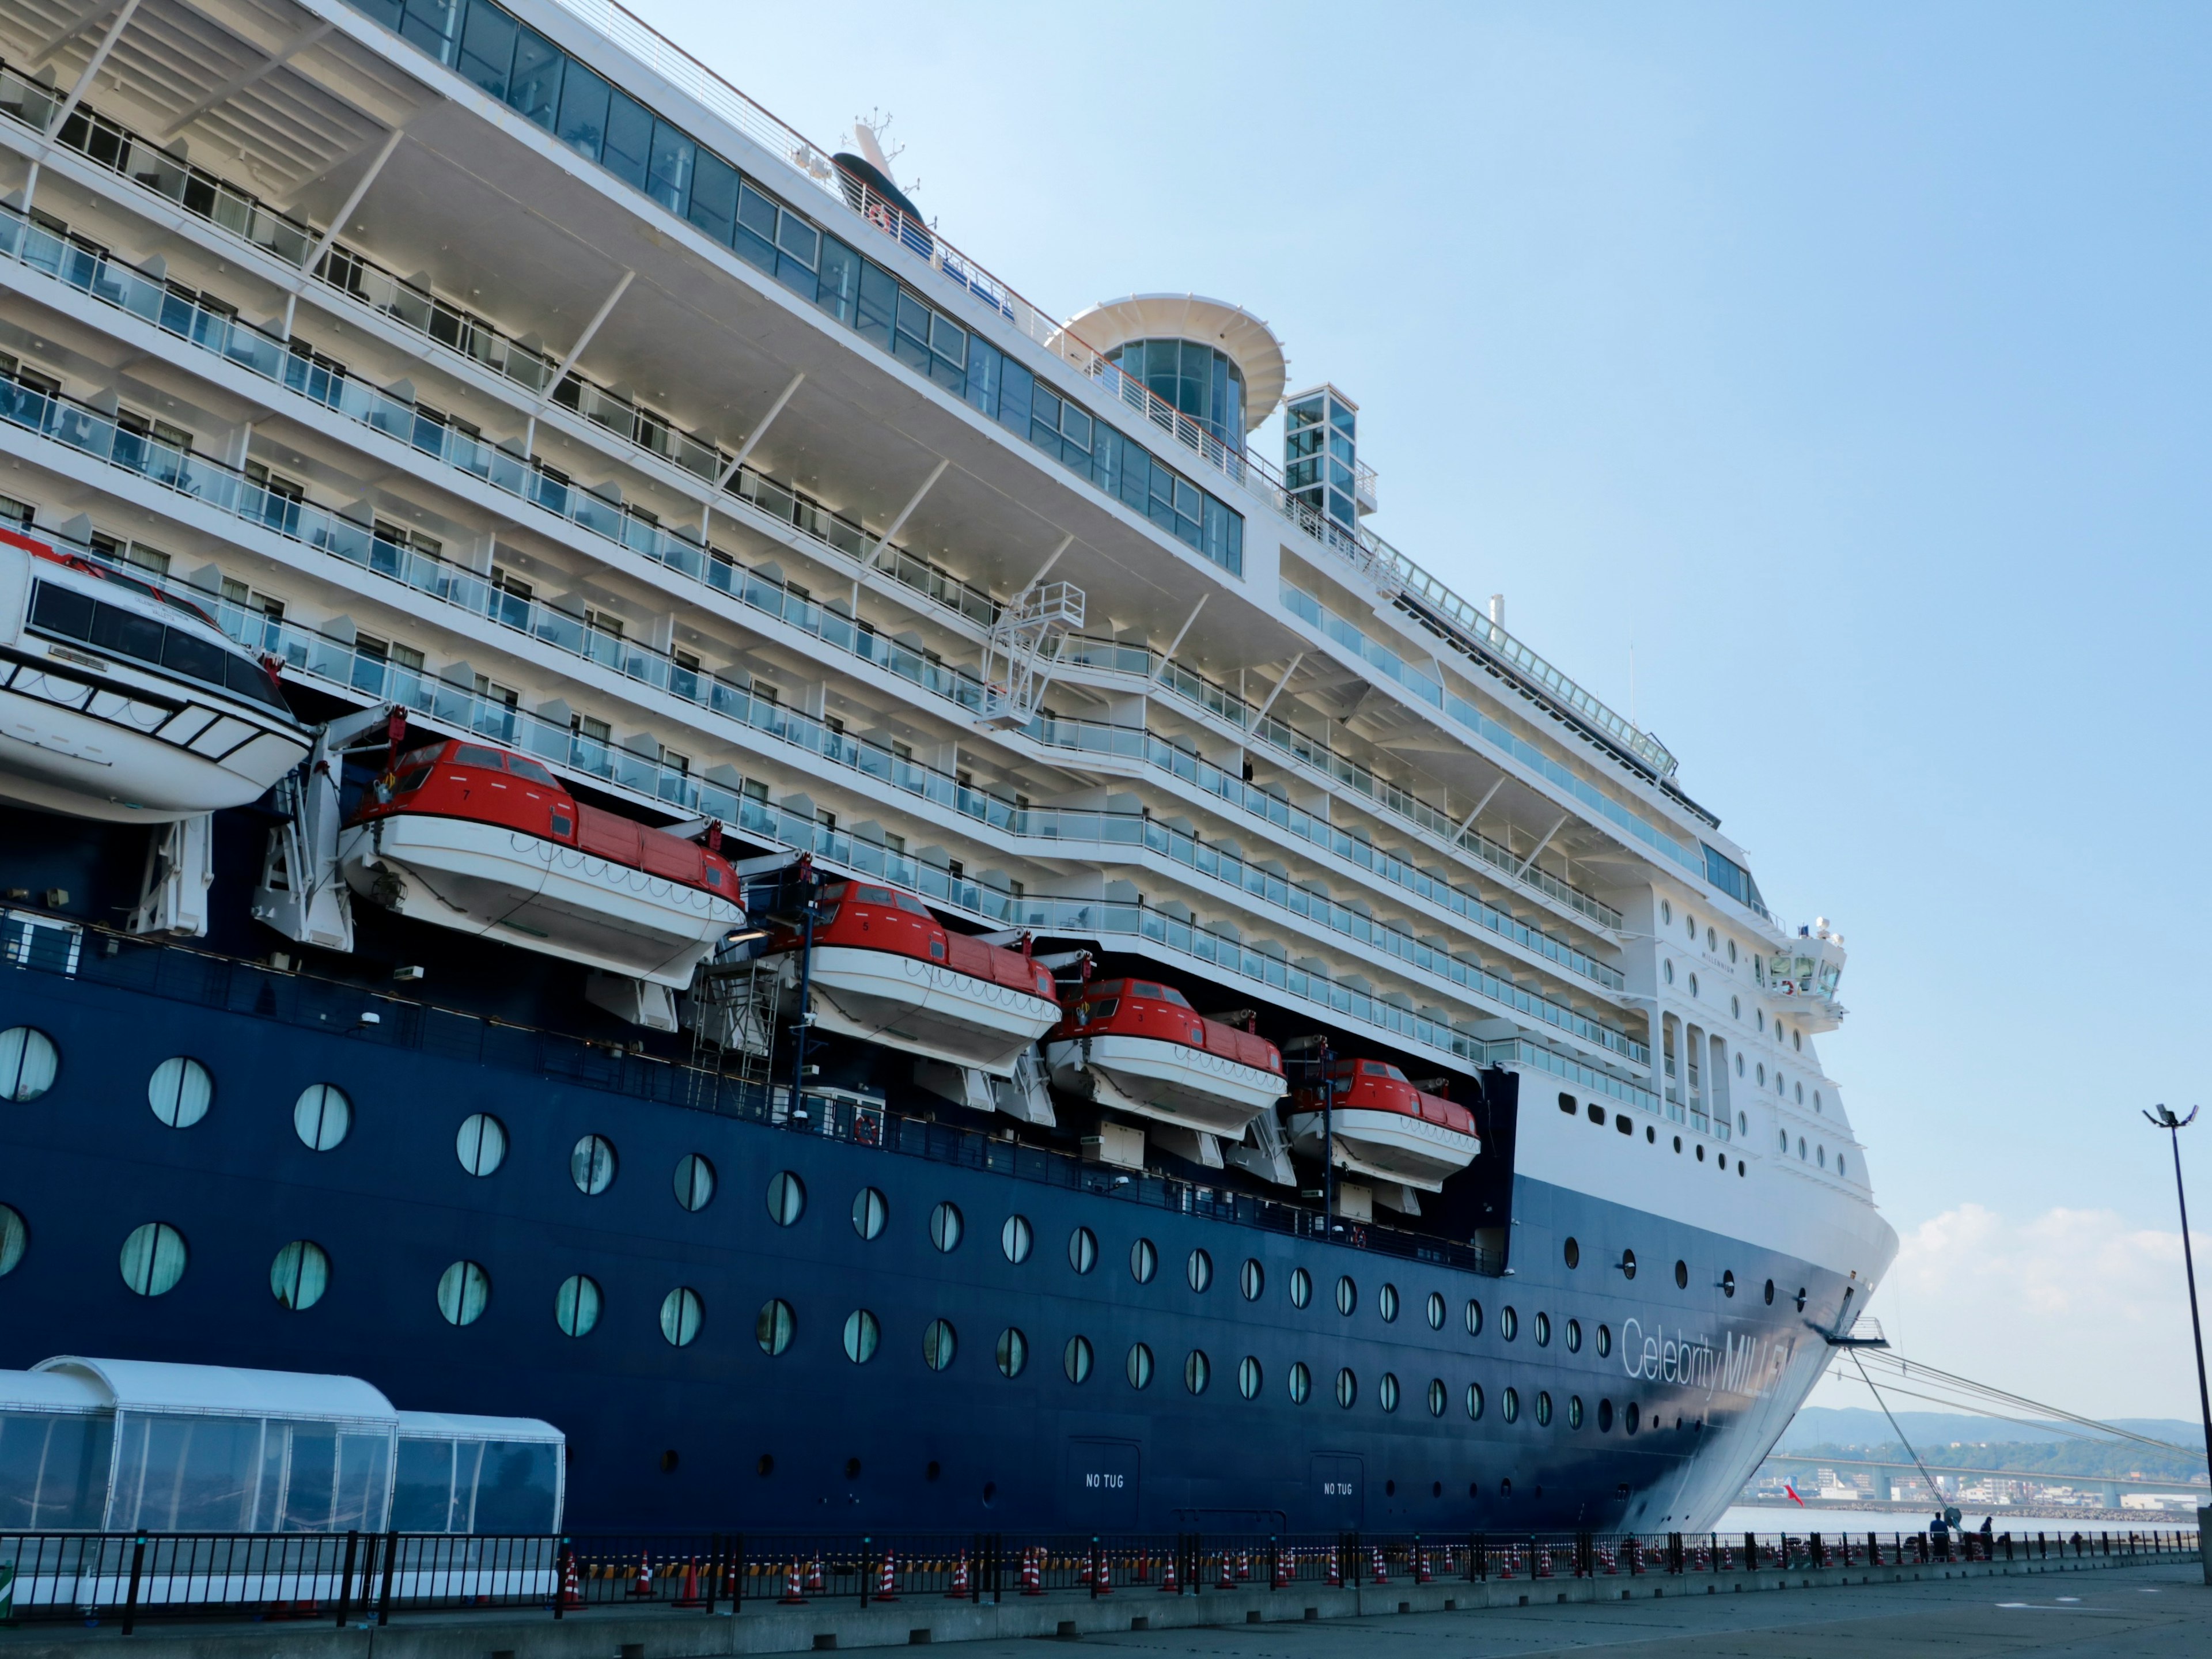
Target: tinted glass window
128 634
62 610
534 92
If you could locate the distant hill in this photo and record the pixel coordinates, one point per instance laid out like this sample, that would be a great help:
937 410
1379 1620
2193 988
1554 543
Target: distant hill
1934 1431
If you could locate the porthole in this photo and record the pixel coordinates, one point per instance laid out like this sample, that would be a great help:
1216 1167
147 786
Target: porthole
1605 1417
1197 1370
1728 1283
1386 1303
1347 1295
787 1198
1681 1275
1083 1249
774 1326
1436 1311
14 1237
694 1182
1770 1293
1301 1287
1840 1170
1743 1122
1015 1239
1574 1336
1693 985
1801 1148
1678 1143
1347 1388
154 1258
1605 1341
1667 970
1739 1064
480 1145
1543 1330
1386 1392
1012 1353
592 1165
299 1275
1628 1264
1760 1073
1574 1411
1437 1395
1666 912
1797 1039
1198 1271
1138 1367
939 1342
871 1211
1544 1408
180 1091
1301 1383
1508 1405
1731 950
861 1335
1508 1323
1474 1402
1573 1253
322 1116
1144 1261
1249 1377
28 1062
1757 1015
1473 1317
1735 1007
1822 1152
1630 1416
681 1314
1712 940
946 1227
1690 927
1251 1278
1785 1140
463 1292
1800 1298
1075 1360
1817 1106
1800 1089
576 1305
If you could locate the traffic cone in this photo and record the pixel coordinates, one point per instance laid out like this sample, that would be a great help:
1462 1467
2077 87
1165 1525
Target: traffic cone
1605 1559
1506 1562
1032 1583
687 1594
1421 1567
1105 1586
1335 1570
959 1590
1169 1584
1243 1566
1382 1572
887 1580
572 1591
1281 1578
643 1586
814 1585
1144 1573
1083 1572
791 1597
1228 1580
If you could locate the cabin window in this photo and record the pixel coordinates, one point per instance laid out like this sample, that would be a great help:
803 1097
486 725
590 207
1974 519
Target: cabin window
482 1143
1386 1392
300 1275
937 949
1543 1330
408 782
1075 1360
1012 1353
1083 1249
1347 1388
1199 1271
576 1305
1386 1303
1138 1367
694 1182
1543 1409
1474 1402
463 1292
470 754
1170 994
1347 1295
1510 1404
1438 1395
592 1165
787 1198
944 1227
28 1062
1301 1287
870 1211
1301 1383
1101 1010
772 1327
1252 1279
1015 1238
1249 1377
1436 1311
681 1314
322 1116
1197 1371
1575 1329
1508 1323
938 1344
180 1091
15 1238
872 895
1474 1319
523 767
1144 1261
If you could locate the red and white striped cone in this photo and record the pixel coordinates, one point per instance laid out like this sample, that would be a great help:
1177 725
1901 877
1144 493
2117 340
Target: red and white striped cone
887 1580
1605 1560
642 1586
791 1596
1228 1580
1543 1563
1243 1566
814 1584
959 1590
1169 1584
1382 1572
572 1592
1032 1582
687 1591
1083 1572
1336 1569
1105 1585
1421 1567
1506 1562
1281 1578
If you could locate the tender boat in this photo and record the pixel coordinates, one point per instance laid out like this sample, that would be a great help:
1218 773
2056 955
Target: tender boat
1382 1125
474 838
120 700
1138 1046
882 969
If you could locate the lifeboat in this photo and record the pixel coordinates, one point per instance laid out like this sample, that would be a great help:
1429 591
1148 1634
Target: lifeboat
884 970
120 700
1384 1127
485 841
1138 1046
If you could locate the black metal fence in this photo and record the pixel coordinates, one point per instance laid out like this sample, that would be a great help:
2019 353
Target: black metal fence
368 1577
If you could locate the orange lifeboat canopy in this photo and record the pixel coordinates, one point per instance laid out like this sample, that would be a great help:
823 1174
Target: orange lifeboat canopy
1138 1046
1379 1124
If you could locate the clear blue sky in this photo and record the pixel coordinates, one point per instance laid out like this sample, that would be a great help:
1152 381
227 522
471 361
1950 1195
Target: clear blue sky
1849 365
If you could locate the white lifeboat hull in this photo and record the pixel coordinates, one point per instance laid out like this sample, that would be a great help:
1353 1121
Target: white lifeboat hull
923 1007
487 879
1389 1146
93 742
1171 1082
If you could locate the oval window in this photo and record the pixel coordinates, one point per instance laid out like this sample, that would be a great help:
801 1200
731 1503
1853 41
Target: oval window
1543 1330
1386 1303
28 1062
180 1091
1249 1378
1666 971
681 1314
1508 1323
1012 1353
1075 1360
1139 1365
1083 1249
1301 1383
1510 1404
1474 1402
1386 1392
1347 1295
1573 1253
1544 1409
1436 1311
14 1237
576 1305
774 1326
1605 1417
592 1165
463 1292
1605 1341
322 1116
1301 1287
1016 1238
154 1258
1347 1388
1666 911
861 1335
481 1143
869 1212
946 1227
1629 1417
1437 1393
694 1182
1199 1271
1628 1264
1197 1371
1474 1319
939 1342
300 1275
1681 1275
1574 1336
1252 1279
1144 1261
787 1198
1574 1411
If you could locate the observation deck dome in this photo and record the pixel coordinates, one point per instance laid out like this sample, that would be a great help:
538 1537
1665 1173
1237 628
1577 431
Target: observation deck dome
1215 362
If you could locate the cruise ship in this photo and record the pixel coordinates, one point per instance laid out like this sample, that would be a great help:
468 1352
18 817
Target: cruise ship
634 797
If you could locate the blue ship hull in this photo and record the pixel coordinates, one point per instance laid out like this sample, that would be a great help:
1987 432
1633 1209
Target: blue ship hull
718 1433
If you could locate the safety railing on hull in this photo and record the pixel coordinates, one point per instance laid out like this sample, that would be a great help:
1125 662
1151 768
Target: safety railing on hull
343 1576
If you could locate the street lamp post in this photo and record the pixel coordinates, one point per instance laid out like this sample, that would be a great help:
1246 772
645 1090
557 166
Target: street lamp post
2163 1119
